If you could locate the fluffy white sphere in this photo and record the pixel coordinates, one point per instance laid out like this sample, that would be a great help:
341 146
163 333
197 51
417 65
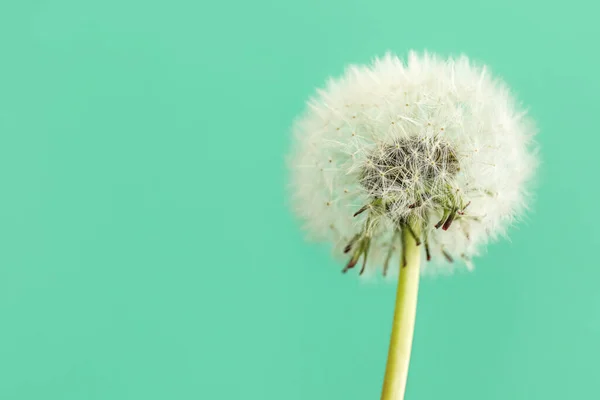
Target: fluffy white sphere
438 141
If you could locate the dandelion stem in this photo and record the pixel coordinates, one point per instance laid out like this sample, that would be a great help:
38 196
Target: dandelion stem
394 383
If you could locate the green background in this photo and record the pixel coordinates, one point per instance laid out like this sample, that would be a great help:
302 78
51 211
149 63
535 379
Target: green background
146 248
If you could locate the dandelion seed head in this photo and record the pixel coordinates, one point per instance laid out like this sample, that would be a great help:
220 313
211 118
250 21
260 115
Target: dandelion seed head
437 140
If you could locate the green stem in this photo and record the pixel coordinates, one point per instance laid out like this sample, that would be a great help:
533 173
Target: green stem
394 383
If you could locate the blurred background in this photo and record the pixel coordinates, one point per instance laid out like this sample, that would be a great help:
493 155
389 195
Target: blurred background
146 246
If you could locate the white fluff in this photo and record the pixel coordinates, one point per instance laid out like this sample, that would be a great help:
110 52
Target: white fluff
458 111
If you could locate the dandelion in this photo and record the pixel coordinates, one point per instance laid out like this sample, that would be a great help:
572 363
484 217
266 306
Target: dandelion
395 162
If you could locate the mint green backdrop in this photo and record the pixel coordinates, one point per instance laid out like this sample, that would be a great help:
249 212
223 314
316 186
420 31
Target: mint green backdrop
146 249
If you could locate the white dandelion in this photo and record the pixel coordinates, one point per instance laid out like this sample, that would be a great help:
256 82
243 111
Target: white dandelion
392 161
